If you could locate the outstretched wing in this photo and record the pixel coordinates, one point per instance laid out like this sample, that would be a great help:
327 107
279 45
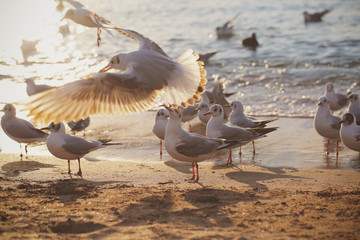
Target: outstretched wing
104 93
75 4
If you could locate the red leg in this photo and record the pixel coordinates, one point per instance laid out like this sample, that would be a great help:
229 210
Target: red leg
197 173
69 170
26 151
193 172
21 155
229 161
79 172
328 146
337 148
240 153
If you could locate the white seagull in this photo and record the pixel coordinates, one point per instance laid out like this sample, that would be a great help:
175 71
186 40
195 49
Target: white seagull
144 74
354 106
190 147
216 128
350 132
326 124
33 88
83 16
19 129
336 100
69 147
238 118
161 120
202 109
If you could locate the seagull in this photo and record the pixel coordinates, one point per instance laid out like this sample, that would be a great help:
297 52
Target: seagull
83 16
19 129
337 100
79 126
219 96
250 42
354 106
161 120
216 128
144 73
204 57
188 114
202 109
350 132
314 17
69 147
33 88
226 30
190 147
326 124
238 118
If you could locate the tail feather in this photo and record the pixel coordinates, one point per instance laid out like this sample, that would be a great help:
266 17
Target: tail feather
263 131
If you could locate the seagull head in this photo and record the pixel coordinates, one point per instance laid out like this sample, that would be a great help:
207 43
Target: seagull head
114 63
347 119
236 106
69 14
9 109
174 113
216 111
203 107
162 114
329 87
324 102
55 127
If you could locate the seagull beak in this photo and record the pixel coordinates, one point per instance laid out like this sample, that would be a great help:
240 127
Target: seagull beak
106 68
227 105
168 108
197 109
207 113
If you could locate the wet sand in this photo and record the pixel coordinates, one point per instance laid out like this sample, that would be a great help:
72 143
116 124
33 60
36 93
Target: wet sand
132 200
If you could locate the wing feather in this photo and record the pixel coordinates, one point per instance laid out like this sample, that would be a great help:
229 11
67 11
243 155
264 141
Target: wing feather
105 93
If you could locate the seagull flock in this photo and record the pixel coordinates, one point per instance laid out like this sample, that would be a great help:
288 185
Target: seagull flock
137 79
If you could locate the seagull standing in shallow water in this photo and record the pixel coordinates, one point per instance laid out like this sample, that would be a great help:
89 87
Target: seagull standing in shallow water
350 132
336 100
19 129
354 106
144 73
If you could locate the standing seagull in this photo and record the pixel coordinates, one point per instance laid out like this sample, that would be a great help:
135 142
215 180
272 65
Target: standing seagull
350 132
144 73
314 17
336 100
79 126
326 124
19 129
33 88
216 128
238 118
82 16
161 120
69 147
354 106
190 147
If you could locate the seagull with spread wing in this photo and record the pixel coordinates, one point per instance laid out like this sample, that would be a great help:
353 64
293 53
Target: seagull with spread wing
144 73
83 16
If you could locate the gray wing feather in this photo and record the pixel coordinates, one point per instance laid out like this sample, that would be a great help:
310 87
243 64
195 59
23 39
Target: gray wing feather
196 145
78 145
334 122
28 131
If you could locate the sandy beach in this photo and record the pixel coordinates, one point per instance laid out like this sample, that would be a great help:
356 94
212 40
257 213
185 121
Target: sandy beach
131 200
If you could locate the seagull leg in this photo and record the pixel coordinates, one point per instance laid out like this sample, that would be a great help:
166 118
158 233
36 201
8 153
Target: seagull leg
79 172
337 147
21 155
253 143
197 173
229 161
26 151
98 35
160 149
193 172
328 146
69 170
240 153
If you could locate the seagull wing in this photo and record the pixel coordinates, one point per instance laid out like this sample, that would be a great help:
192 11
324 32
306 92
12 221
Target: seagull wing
21 128
77 145
193 145
75 4
144 42
104 93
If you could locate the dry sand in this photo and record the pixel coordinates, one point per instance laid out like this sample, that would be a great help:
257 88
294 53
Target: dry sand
132 200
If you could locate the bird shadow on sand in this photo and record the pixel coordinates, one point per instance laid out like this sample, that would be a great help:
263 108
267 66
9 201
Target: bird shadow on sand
179 166
253 179
13 169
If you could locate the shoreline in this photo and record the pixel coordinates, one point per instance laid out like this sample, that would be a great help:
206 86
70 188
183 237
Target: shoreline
132 200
